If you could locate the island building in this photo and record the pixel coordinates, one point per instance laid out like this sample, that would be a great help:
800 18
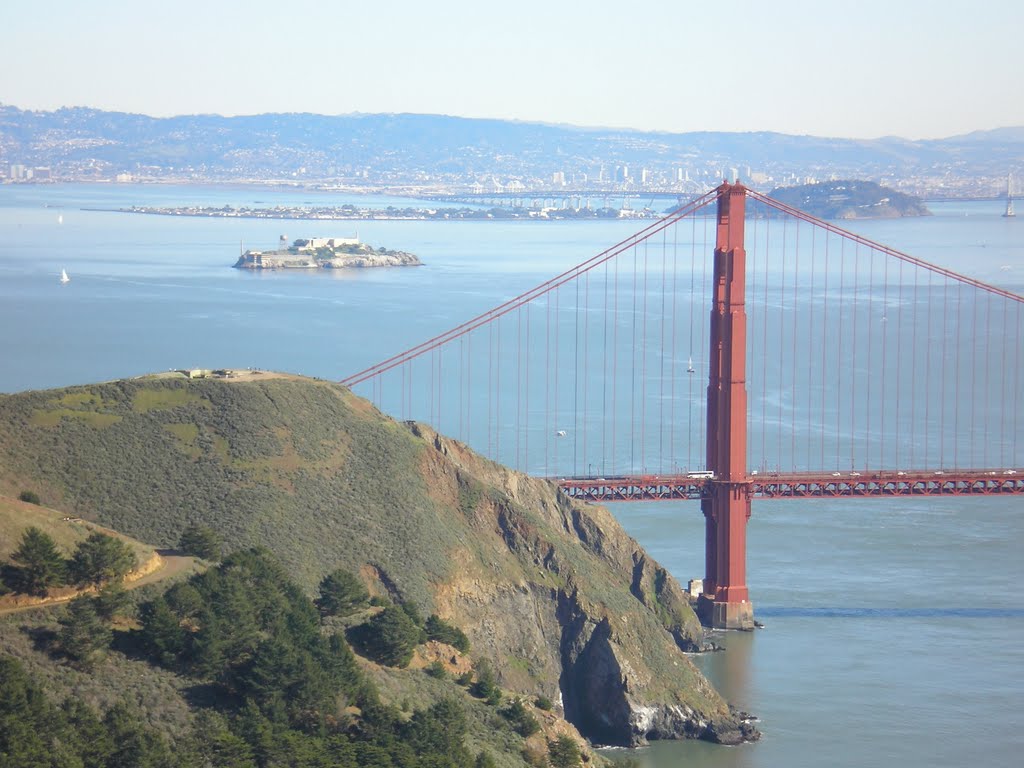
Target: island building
325 242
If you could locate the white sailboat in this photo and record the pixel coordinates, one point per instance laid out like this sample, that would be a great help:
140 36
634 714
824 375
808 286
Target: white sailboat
689 366
64 277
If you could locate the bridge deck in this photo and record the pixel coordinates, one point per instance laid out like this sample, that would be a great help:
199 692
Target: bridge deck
857 484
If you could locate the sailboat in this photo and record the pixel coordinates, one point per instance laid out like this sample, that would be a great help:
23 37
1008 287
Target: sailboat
1009 198
689 366
64 277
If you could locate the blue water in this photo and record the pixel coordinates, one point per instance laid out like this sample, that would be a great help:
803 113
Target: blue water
892 627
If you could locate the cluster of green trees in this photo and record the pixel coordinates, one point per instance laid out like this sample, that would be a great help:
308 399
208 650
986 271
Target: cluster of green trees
287 686
286 690
35 733
38 564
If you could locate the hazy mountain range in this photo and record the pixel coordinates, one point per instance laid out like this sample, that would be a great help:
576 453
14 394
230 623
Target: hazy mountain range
410 149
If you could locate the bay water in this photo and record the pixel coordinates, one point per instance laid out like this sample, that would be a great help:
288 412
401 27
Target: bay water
892 628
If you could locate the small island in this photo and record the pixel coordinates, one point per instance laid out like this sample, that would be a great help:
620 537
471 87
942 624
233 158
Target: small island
325 253
850 200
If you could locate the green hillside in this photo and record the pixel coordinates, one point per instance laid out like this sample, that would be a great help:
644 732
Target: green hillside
554 592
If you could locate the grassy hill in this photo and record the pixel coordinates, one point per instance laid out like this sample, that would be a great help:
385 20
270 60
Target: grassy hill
67 533
554 592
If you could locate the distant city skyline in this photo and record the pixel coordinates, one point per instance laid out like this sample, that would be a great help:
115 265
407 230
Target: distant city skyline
914 69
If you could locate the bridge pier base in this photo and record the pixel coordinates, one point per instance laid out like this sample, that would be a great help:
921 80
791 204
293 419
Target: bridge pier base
725 615
725 603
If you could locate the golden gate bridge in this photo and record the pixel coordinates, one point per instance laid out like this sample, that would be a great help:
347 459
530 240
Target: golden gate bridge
728 352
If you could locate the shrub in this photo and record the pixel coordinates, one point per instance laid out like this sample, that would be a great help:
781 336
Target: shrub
486 685
443 632
521 718
436 669
543 702
30 497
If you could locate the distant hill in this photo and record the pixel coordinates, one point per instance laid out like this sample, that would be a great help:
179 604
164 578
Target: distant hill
564 602
401 149
850 199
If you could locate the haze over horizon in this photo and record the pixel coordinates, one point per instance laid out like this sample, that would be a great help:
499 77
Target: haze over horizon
915 70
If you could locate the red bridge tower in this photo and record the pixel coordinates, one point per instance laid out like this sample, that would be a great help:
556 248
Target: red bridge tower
725 602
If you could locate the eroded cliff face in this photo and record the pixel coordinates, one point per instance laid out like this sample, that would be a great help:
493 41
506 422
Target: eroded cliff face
568 605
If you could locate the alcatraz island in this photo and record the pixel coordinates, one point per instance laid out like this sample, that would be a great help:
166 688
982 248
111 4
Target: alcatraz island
325 253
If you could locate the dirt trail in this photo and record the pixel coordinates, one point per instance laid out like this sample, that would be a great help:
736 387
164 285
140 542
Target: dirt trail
168 564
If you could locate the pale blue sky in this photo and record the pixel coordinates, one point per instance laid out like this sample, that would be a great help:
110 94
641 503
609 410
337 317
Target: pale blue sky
863 68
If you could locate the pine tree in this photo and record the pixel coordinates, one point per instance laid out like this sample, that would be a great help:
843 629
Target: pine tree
200 541
564 752
341 593
219 746
90 739
41 563
100 559
83 635
161 633
27 720
112 600
391 637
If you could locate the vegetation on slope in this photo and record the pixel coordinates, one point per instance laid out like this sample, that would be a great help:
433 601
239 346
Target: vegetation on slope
271 686
553 591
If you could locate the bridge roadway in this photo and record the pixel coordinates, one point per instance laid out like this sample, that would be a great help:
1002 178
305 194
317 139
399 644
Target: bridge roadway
790 485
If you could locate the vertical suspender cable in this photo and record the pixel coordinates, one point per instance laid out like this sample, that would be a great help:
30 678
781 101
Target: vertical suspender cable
796 294
526 387
988 346
605 359
899 365
764 347
674 347
632 377
870 368
558 361
824 347
928 373
839 342
853 363
586 362
782 363
944 374
615 359
661 378
643 369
